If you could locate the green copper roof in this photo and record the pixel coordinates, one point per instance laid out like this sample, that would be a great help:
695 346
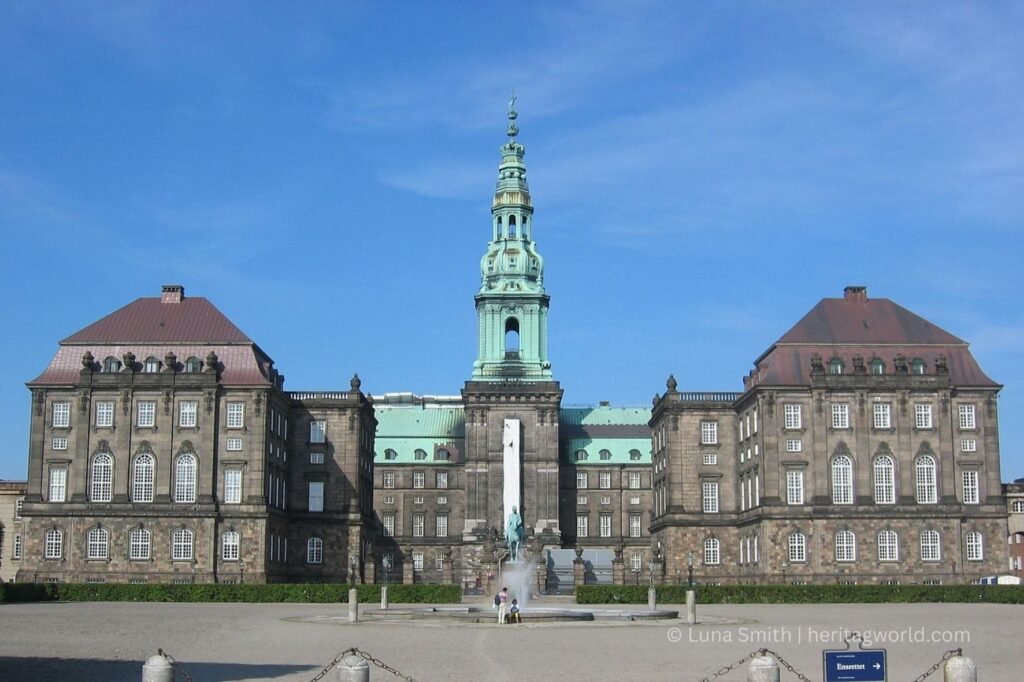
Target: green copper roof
618 448
604 414
406 429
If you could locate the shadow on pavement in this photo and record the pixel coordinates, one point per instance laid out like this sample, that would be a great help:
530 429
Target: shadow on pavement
35 669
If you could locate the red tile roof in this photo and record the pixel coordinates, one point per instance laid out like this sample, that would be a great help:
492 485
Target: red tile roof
851 320
149 320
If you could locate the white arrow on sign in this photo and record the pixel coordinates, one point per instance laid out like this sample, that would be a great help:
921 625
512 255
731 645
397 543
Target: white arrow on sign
877 666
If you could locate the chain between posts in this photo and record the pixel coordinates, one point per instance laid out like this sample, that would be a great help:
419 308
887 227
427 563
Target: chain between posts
945 657
366 656
174 664
789 666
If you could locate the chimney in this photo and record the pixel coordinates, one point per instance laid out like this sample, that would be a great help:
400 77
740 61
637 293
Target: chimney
172 293
856 294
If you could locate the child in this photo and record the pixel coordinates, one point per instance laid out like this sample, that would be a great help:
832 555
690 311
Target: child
513 613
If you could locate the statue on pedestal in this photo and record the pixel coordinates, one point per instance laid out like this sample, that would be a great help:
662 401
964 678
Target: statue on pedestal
514 534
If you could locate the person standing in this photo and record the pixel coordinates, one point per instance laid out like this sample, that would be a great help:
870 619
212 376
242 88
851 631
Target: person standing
502 605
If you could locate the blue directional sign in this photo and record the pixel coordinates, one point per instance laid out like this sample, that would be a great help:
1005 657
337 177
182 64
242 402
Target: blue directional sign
851 665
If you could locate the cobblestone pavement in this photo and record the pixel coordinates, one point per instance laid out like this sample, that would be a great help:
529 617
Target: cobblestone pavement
291 642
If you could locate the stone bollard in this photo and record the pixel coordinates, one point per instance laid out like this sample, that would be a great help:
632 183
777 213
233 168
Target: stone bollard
157 669
691 607
353 605
353 668
384 597
652 598
763 669
960 669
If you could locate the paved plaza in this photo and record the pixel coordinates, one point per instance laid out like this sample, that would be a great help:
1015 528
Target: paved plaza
86 642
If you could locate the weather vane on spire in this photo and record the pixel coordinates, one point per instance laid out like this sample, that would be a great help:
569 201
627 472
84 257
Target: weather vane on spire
513 129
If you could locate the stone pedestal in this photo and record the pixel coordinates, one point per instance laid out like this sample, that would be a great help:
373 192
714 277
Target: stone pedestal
542 575
369 571
446 570
579 572
618 572
489 577
408 575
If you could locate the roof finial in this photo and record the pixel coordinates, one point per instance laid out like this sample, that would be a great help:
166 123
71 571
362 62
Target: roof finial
513 129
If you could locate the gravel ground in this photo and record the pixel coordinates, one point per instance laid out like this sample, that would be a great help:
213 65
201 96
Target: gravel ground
108 642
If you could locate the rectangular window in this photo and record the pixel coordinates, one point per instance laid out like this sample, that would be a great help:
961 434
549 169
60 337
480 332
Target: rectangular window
709 433
417 562
442 499
710 458
793 416
316 458
317 432
418 479
17 547
389 479
635 499
582 499
234 444
236 415
147 413
582 526
316 496
968 445
441 525
417 525
794 445
61 415
634 480
606 499
105 413
972 495
441 479
710 494
58 484
605 480
923 416
54 545
187 412
19 504
389 499
974 547
967 420
60 443
418 499
841 416
606 525
581 479
389 524
883 416
439 561
233 486
636 562
794 486
635 525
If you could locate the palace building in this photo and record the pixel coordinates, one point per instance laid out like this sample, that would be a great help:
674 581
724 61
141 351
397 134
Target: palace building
863 448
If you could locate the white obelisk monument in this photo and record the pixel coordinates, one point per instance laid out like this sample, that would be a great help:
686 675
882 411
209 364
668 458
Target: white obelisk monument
512 461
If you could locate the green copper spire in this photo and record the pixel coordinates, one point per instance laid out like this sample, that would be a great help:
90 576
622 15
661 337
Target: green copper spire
512 306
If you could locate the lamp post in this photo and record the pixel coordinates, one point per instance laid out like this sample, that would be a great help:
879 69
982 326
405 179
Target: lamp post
386 563
636 574
650 567
689 569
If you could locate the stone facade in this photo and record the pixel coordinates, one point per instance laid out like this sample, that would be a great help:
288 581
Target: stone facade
12 534
1015 533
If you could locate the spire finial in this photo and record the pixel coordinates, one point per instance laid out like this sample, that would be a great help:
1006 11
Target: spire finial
513 129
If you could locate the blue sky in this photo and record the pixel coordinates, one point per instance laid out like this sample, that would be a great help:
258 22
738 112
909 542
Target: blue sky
703 174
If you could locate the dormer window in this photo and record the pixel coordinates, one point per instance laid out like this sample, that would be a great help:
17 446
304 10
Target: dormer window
835 366
605 455
111 365
581 455
634 455
390 454
193 365
878 366
420 454
917 366
152 366
442 455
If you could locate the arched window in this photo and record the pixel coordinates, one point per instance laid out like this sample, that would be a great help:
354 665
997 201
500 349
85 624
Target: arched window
581 455
846 546
930 546
878 366
512 336
798 547
712 552
314 551
975 550
101 478
605 455
390 454
185 479
511 227
917 366
924 477
143 478
634 455
138 544
888 546
842 480
420 454
885 480
181 544
111 365
835 366
193 365
54 544
229 543
151 366
500 233
1017 506
442 455
97 543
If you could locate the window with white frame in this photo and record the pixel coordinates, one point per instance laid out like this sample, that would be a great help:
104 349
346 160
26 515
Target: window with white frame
229 546
635 525
712 552
17 547
634 480
185 478
53 544
417 562
236 415
924 478
606 525
840 416
842 480
316 458
797 548
968 445
388 519
883 416
710 458
101 478
181 545
1017 507
884 470
846 546
146 416
636 562
97 543
105 413
604 480
923 416
441 479
967 420
974 546
792 415
138 544
794 445
316 496
581 499
317 431
794 486
582 526
709 491
971 492
143 478
59 443
314 551
439 561
61 415
709 433
581 479
58 484
19 505
388 479
151 366
930 546
441 525
187 412
606 499
417 525
389 499
418 479
888 546
234 444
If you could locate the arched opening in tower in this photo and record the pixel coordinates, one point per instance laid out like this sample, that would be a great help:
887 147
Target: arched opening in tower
512 338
